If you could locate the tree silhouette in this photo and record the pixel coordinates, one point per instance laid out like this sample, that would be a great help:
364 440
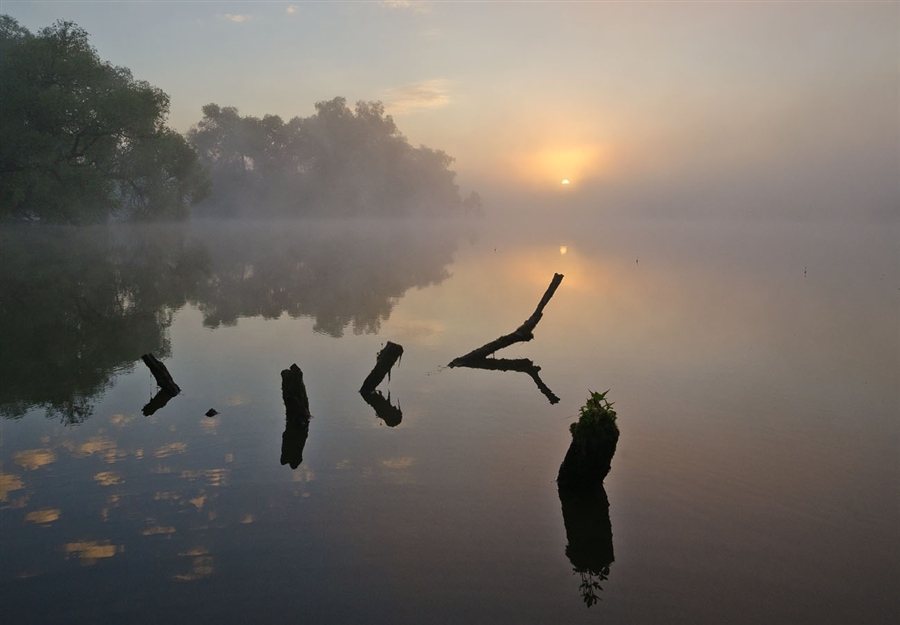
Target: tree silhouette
83 140
337 162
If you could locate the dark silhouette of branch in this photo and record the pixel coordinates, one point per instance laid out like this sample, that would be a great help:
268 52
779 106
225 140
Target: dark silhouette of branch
162 375
523 365
297 416
384 362
521 334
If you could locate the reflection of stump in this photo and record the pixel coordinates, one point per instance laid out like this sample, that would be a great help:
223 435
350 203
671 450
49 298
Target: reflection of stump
158 401
589 537
594 437
384 410
296 431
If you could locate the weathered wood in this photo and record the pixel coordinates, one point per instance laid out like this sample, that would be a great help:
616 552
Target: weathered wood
383 364
521 334
594 438
293 393
297 416
163 377
384 410
522 365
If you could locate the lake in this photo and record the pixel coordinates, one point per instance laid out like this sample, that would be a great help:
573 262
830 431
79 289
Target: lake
754 368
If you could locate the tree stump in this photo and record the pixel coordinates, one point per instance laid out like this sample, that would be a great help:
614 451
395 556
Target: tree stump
163 377
384 362
594 438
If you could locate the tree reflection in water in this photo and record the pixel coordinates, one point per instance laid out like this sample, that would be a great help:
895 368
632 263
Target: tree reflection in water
589 537
522 365
342 273
80 305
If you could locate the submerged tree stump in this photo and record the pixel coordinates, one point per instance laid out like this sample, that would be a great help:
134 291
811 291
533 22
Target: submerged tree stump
293 392
163 377
594 438
297 416
383 364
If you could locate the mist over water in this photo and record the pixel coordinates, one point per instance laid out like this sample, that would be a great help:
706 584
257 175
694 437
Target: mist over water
715 182
753 367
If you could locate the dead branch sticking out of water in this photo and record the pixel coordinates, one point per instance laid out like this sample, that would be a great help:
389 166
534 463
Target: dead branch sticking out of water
293 392
163 377
384 362
297 416
521 334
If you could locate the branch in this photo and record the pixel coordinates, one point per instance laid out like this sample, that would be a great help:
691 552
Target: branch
521 334
384 362
523 365
163 377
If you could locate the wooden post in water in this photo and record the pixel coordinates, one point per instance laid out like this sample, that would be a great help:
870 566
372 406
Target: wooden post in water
594 438
162 375
293 392
383 364
297 416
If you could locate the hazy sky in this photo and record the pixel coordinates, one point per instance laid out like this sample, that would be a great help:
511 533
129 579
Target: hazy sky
681 108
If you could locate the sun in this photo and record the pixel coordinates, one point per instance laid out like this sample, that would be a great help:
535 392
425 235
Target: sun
565 181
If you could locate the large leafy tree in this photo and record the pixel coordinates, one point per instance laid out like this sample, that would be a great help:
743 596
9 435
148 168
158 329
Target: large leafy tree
82 140
339 161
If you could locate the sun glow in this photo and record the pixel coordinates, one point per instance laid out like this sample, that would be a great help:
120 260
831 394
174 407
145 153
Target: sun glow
562 165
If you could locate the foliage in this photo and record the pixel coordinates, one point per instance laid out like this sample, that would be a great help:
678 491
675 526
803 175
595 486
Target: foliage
81 304
82 140
337 162
597 419
590 585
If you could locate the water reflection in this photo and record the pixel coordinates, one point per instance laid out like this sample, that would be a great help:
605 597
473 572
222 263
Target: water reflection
384 409
523 365
80 305
297 416
156 402
296 431
589 536
342 274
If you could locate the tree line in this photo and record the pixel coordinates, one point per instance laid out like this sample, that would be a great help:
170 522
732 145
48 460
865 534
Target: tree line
83 141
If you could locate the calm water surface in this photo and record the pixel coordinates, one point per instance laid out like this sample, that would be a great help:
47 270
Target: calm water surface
754 368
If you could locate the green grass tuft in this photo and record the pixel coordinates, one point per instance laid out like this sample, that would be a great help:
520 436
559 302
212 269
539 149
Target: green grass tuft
597 419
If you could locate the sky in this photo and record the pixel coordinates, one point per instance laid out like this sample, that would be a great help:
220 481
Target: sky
672 109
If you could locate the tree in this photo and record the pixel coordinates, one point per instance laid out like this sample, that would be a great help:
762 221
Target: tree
83 140
337 162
